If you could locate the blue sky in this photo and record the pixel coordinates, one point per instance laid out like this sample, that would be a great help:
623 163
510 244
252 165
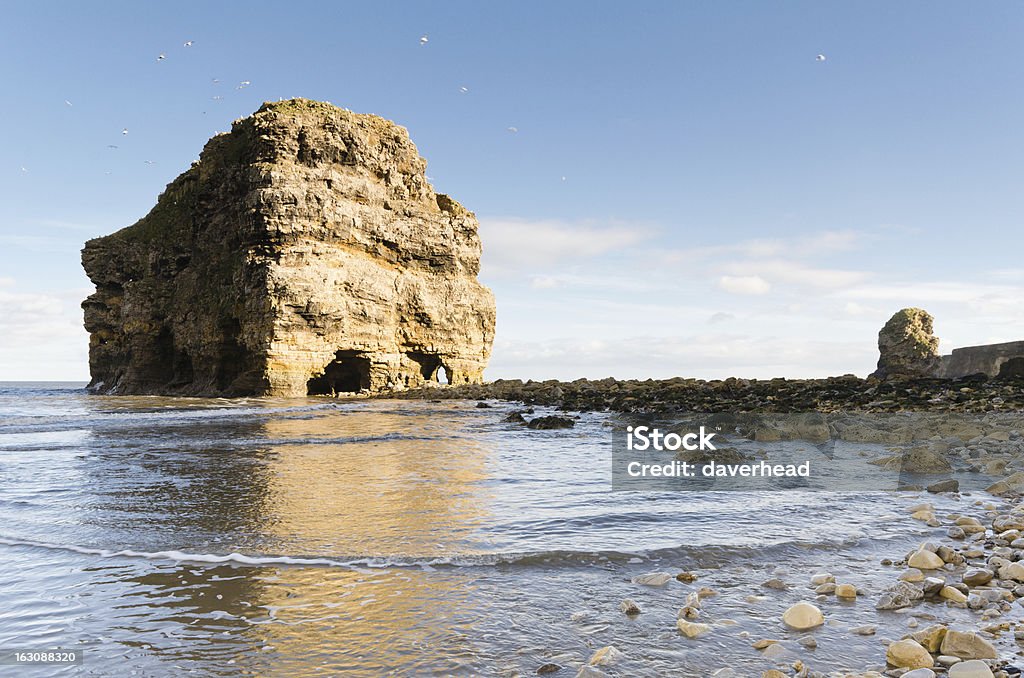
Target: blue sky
730 205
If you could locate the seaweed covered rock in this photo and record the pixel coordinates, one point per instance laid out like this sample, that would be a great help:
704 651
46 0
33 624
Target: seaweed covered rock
304 253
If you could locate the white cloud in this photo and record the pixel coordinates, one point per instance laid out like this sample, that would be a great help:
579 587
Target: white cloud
794 273
522 245
41 335
811 245
744 284
706 356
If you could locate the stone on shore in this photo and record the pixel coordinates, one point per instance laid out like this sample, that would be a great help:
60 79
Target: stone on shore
629 607
846 591
803 616
925 560
908 654
948 485
977 577
967 645
973 668
899 595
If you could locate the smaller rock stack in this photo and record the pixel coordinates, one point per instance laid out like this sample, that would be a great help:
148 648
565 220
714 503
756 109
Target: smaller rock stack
907 348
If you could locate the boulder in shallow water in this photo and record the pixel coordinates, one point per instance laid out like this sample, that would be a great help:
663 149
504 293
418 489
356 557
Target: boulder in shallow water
967 645
925 560
551 422
692 629
803 616
908 654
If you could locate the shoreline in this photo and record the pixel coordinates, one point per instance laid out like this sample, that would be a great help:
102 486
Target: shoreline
680 395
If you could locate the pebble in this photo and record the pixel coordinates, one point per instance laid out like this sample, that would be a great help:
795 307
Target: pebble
609 654
653 579
912 575
847 591
692 629
629 607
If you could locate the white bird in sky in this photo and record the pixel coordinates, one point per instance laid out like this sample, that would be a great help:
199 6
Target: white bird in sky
244 83
820 57
513 129
188 43
124 132
25 170
464 90
161 57
150 162
217 98
112 146
424 39
215 81
68 102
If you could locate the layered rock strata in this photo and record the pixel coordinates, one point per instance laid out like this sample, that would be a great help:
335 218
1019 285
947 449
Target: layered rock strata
305 252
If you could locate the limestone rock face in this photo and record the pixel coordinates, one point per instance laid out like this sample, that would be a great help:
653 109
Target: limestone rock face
304 253
906 345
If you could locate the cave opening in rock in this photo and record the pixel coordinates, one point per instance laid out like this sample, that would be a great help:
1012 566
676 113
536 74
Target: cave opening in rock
349 372
429 364
1014 367
443 376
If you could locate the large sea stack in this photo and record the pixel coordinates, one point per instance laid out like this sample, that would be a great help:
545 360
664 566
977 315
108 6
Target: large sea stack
304 253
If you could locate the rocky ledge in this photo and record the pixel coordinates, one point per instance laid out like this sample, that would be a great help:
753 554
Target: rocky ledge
679 395
304 253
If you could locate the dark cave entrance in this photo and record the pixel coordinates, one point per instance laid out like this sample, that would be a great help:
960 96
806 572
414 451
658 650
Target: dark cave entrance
431 367
349 372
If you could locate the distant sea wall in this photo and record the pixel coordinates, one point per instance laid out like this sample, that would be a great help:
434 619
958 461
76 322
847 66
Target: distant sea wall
993 360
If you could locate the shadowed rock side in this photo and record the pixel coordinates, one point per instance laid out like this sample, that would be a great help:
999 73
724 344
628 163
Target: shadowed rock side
304 253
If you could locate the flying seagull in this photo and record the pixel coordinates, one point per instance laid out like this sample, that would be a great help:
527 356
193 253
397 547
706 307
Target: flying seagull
150 162
244 83
188 43
112 146
464 90
820 57
424 39
124 132
68 102
161 57
513 129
